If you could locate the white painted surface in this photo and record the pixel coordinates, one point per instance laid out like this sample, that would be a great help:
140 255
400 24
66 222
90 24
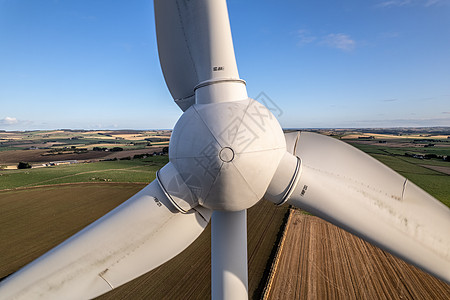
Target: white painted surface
285 180
195 46
244 129
229 255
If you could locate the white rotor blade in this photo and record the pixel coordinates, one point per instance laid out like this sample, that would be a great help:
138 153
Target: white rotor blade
194 45
131 240
347 187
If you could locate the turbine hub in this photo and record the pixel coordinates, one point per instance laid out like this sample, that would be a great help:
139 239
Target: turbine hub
227 153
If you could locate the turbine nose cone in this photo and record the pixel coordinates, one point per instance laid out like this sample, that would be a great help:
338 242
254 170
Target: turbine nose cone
231 148
226 154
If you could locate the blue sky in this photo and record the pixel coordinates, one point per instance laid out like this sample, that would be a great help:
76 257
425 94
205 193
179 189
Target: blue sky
93 64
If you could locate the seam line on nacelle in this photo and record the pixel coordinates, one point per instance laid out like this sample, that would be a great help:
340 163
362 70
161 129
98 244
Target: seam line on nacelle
199 213
181 99
206 125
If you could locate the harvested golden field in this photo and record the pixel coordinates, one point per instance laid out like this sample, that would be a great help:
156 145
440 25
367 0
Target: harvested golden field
34 220
137 136
321 261
394 136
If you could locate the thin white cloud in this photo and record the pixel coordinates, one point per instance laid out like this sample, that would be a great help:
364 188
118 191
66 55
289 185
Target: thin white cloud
428 3
339 41
305 37
8 121
394 3
400 3
389 35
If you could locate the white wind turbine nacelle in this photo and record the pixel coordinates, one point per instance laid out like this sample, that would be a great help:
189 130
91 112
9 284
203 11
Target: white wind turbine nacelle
227 152
218 150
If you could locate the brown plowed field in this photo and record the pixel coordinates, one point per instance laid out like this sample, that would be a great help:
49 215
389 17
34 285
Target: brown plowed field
442 169
127 153
40 155
36 156
321 261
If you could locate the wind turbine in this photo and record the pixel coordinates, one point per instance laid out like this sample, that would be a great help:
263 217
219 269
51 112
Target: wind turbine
227 152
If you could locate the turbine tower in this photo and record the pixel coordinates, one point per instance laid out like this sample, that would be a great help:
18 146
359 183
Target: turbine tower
227 152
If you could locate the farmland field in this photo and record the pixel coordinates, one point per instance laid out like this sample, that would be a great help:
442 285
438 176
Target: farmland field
40 207
48 215
58 145
321 261
136 170
34 220
62 138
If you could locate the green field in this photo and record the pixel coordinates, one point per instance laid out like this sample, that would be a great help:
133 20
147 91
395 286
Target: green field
390 150
143 170
136 170
9 148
